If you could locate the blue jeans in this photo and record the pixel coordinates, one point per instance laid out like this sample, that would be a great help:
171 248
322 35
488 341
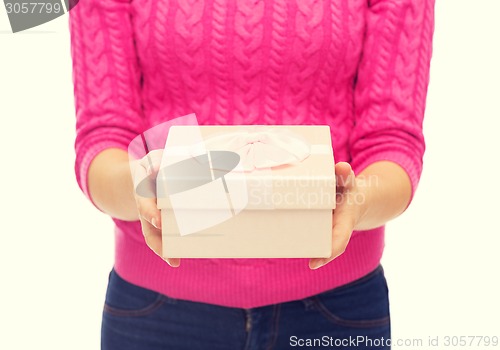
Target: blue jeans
353 316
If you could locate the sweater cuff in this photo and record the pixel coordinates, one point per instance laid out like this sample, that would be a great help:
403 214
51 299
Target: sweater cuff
82 165
410 165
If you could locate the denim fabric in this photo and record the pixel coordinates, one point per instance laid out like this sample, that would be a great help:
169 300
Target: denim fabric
353 316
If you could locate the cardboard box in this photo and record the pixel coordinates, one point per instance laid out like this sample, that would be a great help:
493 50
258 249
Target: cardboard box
247 191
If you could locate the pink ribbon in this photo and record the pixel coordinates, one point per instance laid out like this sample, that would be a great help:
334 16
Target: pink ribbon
262 147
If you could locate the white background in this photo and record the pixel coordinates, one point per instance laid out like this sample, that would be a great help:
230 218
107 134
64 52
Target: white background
441 258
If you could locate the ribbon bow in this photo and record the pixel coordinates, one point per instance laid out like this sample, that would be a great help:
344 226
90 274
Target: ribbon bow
262 148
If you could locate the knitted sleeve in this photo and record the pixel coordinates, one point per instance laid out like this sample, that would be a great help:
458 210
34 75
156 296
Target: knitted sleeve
391 86
106 79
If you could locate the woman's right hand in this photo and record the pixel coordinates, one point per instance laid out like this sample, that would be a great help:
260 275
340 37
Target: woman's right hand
149 214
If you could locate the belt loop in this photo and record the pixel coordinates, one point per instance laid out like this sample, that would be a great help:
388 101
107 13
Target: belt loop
248 320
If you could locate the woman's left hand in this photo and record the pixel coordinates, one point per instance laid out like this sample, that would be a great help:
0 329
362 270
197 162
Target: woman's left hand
347 213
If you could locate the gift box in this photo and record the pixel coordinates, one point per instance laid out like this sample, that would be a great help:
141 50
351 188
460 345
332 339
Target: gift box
241 191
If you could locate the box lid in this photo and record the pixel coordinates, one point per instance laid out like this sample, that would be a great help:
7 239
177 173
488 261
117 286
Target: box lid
211 175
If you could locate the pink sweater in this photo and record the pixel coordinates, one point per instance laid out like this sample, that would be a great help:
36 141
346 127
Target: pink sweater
361 66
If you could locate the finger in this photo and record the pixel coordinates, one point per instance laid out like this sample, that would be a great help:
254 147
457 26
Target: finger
152 236
149 211
341 234
153 239
344 174
152 161
174 262
138 171
144 172
144 184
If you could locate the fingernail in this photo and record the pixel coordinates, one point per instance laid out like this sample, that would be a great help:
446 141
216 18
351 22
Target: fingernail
317 264
154 223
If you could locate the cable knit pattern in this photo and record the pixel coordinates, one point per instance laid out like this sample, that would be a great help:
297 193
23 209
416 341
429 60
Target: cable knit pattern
219 61
277 51
248 60
360 66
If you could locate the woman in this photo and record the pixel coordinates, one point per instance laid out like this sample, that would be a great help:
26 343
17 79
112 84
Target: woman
361 66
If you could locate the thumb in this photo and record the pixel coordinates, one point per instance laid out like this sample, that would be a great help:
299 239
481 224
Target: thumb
344 174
